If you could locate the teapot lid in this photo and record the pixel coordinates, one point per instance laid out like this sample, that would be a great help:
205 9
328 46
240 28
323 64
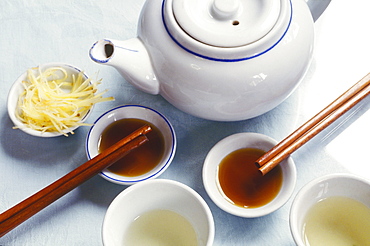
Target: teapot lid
244 27
226 23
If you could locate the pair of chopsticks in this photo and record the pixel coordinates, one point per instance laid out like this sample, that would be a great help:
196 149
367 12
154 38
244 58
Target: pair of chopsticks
316 124
35 203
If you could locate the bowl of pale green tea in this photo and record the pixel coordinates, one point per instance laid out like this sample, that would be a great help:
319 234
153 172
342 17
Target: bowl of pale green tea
332 210
146 162
234 182
158 212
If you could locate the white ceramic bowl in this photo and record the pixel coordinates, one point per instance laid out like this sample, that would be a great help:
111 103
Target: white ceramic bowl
239 141
18 88
152 195
137 112
340 184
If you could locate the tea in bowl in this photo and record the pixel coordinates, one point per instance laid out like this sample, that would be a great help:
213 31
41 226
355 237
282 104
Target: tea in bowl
234 183
146 162
158 212
332 210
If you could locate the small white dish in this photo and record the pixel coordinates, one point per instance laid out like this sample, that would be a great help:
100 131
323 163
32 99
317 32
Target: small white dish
158 194
18 88
137 112
339 184
239 141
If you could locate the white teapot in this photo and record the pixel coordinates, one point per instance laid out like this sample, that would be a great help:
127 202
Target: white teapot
223 60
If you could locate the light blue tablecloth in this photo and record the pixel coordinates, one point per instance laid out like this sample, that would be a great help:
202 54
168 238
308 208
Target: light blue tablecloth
37 32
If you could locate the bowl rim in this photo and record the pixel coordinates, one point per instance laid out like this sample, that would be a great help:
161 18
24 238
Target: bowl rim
298 199
281 198
169 183
13 95
148 175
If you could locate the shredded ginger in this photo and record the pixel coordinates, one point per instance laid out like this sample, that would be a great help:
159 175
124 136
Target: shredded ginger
55 102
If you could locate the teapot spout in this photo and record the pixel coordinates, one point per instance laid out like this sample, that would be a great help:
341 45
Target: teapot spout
130 58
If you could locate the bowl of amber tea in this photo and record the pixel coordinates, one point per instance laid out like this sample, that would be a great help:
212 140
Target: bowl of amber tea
158 212
234 183
332 210
146 162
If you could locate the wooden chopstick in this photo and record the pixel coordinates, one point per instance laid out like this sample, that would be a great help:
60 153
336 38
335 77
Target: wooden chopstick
30 206
316 124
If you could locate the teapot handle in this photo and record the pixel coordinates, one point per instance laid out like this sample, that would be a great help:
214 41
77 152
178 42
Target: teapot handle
317 7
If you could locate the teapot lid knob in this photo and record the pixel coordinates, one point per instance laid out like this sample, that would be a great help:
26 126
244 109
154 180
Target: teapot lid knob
226 23
225 9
